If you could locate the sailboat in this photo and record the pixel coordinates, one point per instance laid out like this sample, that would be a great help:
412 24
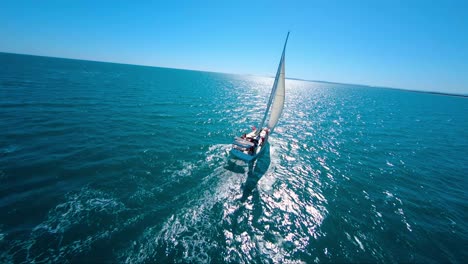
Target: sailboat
249 146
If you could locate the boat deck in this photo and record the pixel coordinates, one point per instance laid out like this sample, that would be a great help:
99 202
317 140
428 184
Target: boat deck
250 146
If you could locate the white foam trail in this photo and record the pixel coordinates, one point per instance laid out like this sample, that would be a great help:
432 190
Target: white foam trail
217 209
188 233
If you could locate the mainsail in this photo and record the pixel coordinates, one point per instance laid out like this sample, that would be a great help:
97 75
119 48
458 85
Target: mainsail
250 145
276 101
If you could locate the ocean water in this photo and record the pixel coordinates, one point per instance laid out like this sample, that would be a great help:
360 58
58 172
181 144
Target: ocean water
120 163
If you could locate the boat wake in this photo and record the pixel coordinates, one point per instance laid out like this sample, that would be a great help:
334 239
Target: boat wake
203 229
236 212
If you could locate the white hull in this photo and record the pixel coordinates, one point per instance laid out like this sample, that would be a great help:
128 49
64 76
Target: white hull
250 152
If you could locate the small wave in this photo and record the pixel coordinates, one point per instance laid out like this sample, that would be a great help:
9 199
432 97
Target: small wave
86 214
9 149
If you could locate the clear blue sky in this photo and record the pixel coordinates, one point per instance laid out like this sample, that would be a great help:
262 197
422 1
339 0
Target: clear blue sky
421 45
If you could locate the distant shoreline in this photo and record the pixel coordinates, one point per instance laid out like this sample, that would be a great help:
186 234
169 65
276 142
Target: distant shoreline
383 87
297 79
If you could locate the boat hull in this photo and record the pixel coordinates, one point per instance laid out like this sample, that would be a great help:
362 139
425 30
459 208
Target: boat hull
241 155
241 152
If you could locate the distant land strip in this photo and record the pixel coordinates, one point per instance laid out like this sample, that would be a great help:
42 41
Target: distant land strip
383 87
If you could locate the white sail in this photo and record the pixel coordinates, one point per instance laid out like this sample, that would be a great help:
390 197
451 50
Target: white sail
278 99
250 146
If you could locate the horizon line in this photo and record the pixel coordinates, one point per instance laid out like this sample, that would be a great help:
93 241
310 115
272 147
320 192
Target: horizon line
290 78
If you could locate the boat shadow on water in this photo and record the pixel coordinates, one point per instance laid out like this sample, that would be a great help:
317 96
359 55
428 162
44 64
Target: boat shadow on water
256 170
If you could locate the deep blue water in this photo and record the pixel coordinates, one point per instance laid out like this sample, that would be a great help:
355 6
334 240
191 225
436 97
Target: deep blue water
121 163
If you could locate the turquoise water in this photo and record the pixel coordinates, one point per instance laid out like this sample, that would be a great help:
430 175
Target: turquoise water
120 163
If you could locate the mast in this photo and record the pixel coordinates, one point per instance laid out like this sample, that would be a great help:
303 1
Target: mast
275 85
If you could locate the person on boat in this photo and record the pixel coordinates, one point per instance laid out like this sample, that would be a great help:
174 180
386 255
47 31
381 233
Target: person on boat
243 136
251 150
